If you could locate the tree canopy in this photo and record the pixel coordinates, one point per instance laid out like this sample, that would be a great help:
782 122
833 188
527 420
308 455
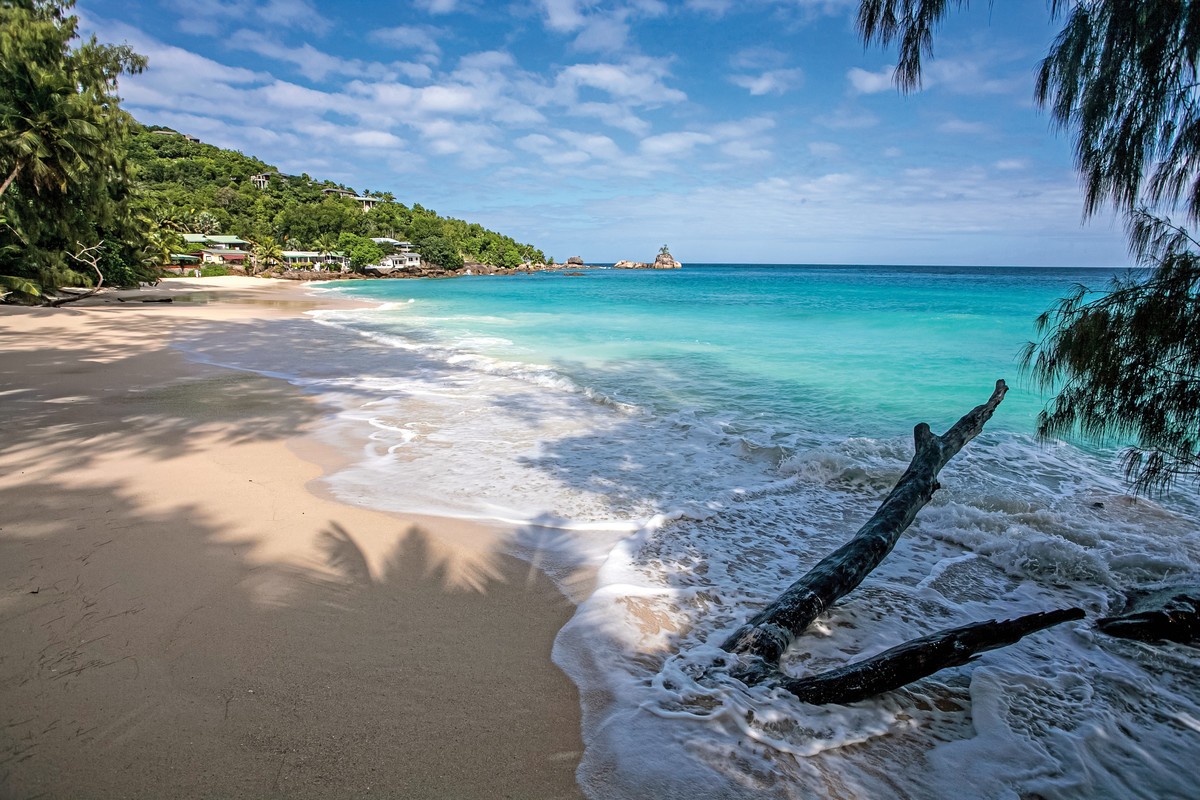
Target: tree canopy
77 171
189 182
66 183
1121 77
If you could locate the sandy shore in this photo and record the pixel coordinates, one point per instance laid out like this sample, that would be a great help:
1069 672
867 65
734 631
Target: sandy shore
182 617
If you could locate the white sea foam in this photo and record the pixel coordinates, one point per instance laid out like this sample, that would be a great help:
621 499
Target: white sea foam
697 520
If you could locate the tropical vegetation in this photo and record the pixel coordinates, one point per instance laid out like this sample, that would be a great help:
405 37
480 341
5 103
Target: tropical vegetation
67 182
80 175
205 189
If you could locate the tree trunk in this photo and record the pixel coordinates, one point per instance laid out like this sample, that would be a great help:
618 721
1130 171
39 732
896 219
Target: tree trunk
770 632
12 176
762 641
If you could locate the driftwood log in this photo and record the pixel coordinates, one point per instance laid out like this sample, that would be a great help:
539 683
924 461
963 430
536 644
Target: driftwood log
761 642
1171 614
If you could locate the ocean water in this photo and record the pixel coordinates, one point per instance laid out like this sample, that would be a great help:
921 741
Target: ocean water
698 438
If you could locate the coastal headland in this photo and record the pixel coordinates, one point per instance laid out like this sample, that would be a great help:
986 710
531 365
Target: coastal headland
185 614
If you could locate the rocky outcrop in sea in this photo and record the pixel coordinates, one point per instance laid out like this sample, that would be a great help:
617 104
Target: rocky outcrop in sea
664 260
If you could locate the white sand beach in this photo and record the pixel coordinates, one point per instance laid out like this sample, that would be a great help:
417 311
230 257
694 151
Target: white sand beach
182 616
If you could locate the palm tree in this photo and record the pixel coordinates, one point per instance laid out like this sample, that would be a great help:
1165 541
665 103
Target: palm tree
204 222
47 135
268 252
56 108
327 244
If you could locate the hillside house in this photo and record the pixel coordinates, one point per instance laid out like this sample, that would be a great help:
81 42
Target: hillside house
214 242
404 260
234 258
318 261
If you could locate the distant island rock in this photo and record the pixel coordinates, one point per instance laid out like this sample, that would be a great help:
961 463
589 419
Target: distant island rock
575 261
664 260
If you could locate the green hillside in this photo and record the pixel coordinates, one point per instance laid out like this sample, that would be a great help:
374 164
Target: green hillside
205 189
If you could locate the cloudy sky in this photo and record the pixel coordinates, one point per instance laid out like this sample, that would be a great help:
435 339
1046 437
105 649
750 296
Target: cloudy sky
734 130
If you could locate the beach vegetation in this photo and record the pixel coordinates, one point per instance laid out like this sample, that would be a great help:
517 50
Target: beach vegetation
268 253
364 254
1121 78
66 182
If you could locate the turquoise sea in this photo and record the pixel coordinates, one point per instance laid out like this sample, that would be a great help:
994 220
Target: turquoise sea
858 350
675 447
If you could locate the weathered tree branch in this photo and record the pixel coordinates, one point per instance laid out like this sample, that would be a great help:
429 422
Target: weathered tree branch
12 176
919 658
85 256
763 639
761 642
1171 614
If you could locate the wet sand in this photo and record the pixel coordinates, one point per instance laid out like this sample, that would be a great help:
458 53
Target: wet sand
182 615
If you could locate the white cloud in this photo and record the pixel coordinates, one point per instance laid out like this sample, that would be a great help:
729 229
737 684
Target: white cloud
640 81
746 139
864 82
600 34
613 115
316 64
777 81
959 76
673 145
438 6
375 139
409 37
300 14
969 76
563 16
212 17
959 126
848 118
1011 164
824 149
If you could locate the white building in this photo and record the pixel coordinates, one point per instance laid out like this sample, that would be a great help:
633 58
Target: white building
318 261
404 260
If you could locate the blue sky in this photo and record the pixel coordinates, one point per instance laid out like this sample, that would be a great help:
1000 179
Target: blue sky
753 131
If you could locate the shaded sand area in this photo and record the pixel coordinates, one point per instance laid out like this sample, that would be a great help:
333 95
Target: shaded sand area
180 616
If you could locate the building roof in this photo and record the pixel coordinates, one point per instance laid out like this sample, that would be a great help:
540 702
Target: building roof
195 238
227 240
184 257
232 255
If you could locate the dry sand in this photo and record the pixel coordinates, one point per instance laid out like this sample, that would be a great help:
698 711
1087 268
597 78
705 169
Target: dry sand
182 617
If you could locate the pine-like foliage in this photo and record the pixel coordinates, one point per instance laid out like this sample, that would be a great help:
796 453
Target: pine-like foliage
1121 76
1126 362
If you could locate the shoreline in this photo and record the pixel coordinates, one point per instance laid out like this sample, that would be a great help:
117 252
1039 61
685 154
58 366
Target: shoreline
185 612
